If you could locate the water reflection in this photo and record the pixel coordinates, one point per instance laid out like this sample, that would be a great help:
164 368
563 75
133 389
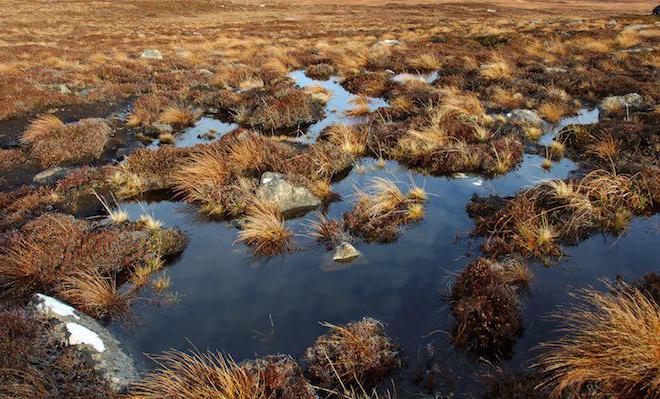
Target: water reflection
251 307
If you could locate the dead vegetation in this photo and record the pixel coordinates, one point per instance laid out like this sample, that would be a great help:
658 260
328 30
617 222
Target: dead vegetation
381 210
538 220
58 255
486 306
51 142
34 361
358 354
610 346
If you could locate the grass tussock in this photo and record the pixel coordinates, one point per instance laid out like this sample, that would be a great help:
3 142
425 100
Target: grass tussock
58 255
219 176
537 220
350 139
611 346
51 142
485 305
179 116
358 354
499 68
264 231
196 375
380 211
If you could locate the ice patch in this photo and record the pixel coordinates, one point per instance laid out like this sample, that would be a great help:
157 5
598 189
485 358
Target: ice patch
83 335
55 306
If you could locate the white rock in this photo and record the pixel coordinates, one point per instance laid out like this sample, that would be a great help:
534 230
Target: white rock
46 304
345 252
79 335
152 54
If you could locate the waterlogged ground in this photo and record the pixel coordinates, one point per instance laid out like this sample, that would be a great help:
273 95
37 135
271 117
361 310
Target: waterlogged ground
231 301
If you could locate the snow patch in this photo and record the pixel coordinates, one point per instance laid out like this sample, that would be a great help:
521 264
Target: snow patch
83 335
55 306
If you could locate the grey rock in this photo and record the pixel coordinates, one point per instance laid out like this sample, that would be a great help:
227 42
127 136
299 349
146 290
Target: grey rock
491 11
206 73
555 70
637 27
58 87
50 175
289 198
525 117
387 43
128 150
93 341
86 92
638 50
345 252
630 101
151 54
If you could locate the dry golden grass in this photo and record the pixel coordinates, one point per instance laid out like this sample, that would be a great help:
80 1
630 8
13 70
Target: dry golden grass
499 68
348 138
96 294
179 115
507 98
201 175
199 376
54 143
263 229
357 354
41 127
611 345
425 62
553 111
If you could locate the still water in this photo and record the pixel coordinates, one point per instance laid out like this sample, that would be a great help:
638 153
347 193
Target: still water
247 306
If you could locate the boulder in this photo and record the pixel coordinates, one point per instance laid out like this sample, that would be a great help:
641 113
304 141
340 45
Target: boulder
387 43
58 87
345 252
525 117
50 175
290 198
630 101
656 11
555 70
94 341
151 54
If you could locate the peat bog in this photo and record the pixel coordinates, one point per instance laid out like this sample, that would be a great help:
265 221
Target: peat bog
413 200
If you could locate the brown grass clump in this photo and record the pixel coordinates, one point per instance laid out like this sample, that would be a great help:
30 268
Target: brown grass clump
54 143
553 111
537 220
611 346
358 354
425 62
328 231
378 214
219 176
96 294
498 69
58 255
146 110
351 140
179 116
34 363
488 316
320 71
277 108
196 375
264 230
